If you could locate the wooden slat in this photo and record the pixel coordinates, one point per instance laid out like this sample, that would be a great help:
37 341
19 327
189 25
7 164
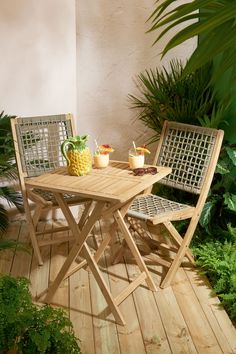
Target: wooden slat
115 187
39 275
216 315
22 260
183 319
7 256
201 332
105 330
81 310
174 324
59 253
130 336
153 333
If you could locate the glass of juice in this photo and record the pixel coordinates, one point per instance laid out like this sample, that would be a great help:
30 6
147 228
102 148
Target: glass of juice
136 159
101 160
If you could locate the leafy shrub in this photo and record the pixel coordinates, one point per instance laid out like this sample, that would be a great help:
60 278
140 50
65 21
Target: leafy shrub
220 208
31 329
218 261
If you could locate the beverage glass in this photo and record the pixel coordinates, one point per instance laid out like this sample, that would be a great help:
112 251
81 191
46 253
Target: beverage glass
136 159
101 160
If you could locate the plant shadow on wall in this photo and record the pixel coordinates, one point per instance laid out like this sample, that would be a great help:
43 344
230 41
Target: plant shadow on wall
191 99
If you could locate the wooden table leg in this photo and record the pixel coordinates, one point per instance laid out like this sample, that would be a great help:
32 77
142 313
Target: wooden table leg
80 239
80 245
103 286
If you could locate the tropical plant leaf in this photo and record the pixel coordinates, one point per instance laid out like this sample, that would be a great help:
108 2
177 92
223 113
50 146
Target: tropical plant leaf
3 219
206 214
222 168
230 201
232 154
232 231
167 95
215 21
11 196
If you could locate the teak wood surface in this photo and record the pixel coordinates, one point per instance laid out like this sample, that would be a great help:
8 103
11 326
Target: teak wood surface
115 183
184 318
112 189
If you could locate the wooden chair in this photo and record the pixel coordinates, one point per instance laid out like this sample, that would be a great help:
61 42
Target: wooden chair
37 142
192 153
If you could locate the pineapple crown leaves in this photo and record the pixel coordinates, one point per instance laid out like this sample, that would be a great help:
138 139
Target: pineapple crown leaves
74 143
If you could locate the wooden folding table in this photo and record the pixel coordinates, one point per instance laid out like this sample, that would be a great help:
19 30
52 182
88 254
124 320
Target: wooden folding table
112 189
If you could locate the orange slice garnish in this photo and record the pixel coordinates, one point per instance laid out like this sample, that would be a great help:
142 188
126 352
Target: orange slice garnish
105 148
143 150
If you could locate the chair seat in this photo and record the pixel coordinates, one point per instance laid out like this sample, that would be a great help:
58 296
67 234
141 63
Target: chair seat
156 209
49 197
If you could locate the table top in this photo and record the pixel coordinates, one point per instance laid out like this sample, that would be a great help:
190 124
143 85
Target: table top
115 183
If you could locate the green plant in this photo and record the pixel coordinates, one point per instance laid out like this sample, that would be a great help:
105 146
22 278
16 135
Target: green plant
218 262
220 208
166 94
30 329
8 173
213 19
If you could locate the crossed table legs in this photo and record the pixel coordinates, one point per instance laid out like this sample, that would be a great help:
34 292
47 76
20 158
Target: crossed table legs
80 245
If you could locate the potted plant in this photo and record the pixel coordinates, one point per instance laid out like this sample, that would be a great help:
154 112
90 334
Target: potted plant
26 328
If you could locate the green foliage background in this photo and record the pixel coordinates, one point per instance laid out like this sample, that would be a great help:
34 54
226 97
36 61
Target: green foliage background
191 99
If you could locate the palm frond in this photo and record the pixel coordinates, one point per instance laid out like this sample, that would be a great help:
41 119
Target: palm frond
11 196
4 221
168 95
214 19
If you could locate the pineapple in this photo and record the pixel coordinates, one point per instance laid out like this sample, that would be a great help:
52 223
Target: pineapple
77 155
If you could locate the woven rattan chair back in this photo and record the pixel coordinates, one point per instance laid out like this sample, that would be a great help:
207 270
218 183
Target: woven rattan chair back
192 153
187 149
39 140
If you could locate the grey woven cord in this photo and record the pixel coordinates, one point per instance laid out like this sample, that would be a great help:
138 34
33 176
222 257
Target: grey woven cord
40 139
48 196
149 206
187 151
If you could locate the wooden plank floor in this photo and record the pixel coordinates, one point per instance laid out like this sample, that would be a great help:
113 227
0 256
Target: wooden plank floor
183 318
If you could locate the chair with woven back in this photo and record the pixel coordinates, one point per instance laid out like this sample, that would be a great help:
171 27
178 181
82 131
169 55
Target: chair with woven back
192 153
37 142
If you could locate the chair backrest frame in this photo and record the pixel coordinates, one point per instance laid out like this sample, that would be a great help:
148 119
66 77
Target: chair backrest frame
37 142
18 134
192 153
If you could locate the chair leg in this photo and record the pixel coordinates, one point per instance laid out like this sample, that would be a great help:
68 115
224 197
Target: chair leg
32 233
179 255
174 233
36 215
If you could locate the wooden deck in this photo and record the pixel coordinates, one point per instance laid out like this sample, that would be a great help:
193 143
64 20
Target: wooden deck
182 319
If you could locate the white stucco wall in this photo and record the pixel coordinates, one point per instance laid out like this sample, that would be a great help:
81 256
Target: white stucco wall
38 57
112 49
79 56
